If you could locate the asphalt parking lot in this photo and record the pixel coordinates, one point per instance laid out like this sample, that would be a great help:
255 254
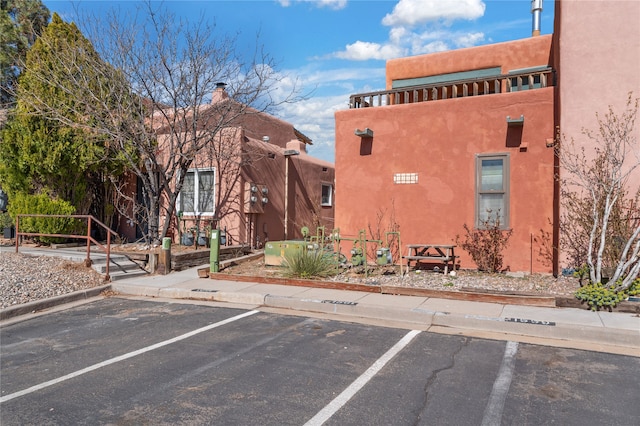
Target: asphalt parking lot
125 361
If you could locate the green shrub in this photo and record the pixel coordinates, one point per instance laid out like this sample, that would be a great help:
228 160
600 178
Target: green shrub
486 244
597 296
5 220
310 264
43 204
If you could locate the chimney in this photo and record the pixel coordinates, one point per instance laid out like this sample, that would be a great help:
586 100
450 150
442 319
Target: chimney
220 93
536 10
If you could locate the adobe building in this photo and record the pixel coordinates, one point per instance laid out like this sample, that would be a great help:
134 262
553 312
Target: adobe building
455 134
462 133
259 174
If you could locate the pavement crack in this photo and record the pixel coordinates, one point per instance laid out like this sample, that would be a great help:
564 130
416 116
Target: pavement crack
434 376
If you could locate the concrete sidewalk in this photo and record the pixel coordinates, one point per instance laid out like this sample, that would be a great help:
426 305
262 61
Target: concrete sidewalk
580 328
606 329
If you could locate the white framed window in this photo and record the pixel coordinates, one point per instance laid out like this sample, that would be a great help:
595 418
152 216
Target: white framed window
492 189
327 195
198 192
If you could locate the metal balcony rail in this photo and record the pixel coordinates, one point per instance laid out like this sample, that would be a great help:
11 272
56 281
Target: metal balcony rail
503 83
90 221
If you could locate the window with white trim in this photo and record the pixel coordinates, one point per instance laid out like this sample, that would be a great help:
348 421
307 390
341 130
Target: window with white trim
198 192
327 195
492 189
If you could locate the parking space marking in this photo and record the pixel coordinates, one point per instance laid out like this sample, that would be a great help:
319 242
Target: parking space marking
339 401
495 406
125 356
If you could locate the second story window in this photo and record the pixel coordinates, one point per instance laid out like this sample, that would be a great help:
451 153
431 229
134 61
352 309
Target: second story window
327 195
198 192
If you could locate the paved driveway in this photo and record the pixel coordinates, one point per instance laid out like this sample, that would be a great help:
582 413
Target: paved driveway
120 361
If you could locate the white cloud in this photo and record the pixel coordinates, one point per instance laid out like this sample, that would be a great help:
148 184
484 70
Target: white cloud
331 4
315 117
468 40
363 50
419 27
415 12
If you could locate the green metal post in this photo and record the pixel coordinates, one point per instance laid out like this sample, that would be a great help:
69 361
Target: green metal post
214 254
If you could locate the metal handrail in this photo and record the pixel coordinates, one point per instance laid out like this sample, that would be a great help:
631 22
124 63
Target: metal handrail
90 219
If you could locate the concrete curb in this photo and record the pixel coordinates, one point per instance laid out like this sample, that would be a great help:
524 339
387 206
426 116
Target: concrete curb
424 317
39 305
541 329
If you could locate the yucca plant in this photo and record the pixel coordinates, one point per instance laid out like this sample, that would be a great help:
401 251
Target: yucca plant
310 264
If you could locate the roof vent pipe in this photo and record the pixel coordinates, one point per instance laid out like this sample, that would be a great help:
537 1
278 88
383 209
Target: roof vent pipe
536 11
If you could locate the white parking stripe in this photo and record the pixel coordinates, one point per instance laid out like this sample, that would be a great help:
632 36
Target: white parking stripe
328 411
495 406
125 356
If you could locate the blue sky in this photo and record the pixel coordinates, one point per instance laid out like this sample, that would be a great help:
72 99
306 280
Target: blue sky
336 48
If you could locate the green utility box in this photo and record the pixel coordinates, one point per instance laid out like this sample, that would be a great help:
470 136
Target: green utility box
275 251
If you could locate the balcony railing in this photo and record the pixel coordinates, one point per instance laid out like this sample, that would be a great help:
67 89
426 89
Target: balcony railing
504 83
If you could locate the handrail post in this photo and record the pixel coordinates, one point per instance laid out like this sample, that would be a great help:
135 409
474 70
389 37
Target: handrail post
107 277
87 261
17 231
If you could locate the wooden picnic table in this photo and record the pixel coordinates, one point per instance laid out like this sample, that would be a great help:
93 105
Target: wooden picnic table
443 253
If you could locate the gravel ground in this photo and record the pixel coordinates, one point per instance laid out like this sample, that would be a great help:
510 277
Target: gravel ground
463 280
25 278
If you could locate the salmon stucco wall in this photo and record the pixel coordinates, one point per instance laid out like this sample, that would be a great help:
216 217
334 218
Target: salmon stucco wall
594 70
439 141
525 53
598 63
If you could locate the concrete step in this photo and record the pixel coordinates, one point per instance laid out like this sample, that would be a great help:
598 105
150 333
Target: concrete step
120 267
116 276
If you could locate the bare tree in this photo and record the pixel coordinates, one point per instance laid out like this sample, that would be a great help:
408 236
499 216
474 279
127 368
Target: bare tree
157 75
600 198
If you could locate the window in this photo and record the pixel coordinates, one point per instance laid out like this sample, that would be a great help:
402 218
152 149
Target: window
525 73
327 195
198 192
524 81
492 189
404 178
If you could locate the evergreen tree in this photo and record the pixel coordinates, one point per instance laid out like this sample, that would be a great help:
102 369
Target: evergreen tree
21 22
40 154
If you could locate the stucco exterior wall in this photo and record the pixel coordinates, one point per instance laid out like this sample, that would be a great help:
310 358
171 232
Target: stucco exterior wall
599 60
306 175
598 56
508 56
266 167
439 141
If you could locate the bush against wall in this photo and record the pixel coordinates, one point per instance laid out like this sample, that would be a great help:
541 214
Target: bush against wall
486 244
43 204
385 229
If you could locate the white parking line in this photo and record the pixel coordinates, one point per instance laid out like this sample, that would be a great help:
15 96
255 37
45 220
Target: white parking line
328 411
495 406
125 356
